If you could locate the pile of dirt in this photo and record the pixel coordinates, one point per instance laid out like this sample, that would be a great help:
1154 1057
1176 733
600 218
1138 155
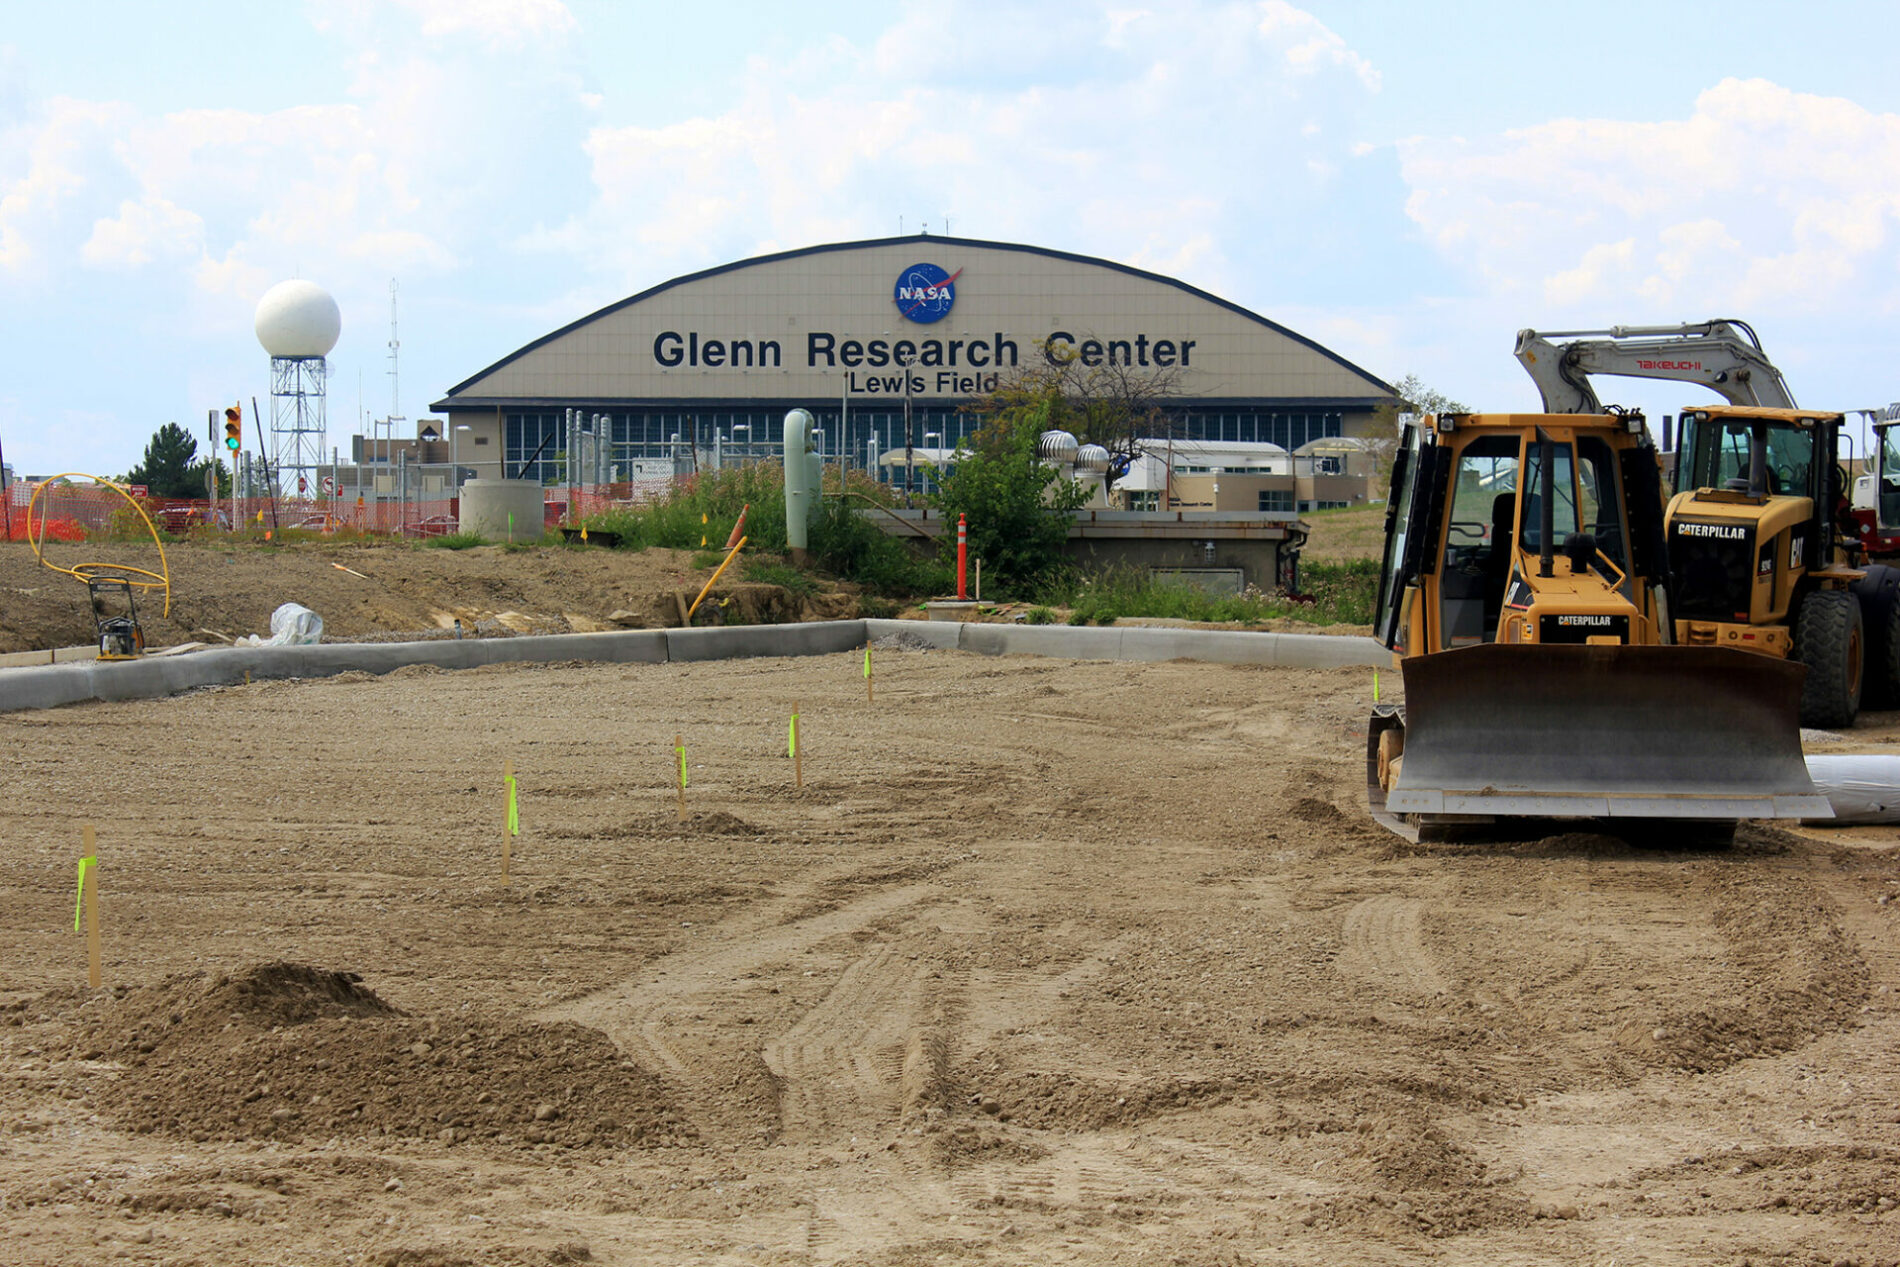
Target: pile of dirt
379 592
285 1050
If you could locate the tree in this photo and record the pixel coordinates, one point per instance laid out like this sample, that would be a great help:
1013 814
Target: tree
169 468
1019 509
1415 397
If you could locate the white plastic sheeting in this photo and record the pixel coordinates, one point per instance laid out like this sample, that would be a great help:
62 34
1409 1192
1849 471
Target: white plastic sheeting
292 625
1862 789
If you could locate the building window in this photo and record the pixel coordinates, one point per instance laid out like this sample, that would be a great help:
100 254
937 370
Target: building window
1276 499
1149 500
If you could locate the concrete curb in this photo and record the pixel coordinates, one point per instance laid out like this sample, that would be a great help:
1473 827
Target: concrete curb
50 686
1085 642
827 637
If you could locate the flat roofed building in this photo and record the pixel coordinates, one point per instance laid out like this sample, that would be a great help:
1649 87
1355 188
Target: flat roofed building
866 335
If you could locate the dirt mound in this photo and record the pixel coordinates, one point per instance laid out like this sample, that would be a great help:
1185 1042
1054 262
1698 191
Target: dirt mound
286 1050
139 1020
1046 1100
1310 809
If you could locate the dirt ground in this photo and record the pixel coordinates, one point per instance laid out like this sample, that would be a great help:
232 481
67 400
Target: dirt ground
1045 962
379 590
369 591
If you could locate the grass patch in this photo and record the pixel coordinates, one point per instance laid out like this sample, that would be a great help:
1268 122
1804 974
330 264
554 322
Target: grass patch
765 571
1337 593
1343 533
455 541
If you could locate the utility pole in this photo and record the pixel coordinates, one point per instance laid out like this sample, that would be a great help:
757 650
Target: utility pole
910 457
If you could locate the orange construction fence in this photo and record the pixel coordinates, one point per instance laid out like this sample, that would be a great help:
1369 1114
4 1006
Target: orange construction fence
73 512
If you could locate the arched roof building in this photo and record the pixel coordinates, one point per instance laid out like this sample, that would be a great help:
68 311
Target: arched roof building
866 334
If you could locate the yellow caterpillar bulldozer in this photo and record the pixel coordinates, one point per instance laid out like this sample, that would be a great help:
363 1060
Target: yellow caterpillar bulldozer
1524 593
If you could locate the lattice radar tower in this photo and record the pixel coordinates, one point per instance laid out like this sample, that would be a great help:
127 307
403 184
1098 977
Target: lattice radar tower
298 323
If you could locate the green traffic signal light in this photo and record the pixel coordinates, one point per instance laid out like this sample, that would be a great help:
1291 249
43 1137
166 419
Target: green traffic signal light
234 428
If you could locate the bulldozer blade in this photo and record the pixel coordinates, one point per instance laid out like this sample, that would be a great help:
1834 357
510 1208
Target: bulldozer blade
1643 732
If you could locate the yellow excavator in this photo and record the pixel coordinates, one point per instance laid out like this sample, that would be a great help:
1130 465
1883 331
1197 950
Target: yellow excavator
1765 555
1524 594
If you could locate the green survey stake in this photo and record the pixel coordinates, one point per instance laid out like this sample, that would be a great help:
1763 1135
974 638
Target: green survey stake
514 815
79 902
1375 686
682 754
791 737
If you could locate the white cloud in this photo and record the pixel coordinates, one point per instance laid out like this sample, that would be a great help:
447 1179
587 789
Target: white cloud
498 22
1763 198
1189 133
44 176
1309 45
143 230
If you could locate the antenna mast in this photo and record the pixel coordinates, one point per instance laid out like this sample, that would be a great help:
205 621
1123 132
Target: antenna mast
395 345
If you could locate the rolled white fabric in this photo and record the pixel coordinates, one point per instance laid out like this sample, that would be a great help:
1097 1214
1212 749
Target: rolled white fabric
1862 789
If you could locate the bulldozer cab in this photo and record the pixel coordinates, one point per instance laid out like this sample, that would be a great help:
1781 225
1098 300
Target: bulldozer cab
1493 517
1762 455
1753 516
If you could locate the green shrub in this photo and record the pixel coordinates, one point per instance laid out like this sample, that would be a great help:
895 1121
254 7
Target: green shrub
1039 616
1341 593
702 509
847 544
1019 509
455 541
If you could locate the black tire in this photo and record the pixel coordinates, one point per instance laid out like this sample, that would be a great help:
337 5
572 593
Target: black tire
1827 638
1879 595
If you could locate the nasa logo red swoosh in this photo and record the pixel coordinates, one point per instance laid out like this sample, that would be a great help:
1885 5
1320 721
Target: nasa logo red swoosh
948 281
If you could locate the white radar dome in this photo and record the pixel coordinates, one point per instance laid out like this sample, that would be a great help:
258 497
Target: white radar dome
298 319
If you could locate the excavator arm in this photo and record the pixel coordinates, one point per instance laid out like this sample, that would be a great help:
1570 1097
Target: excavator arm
1722 355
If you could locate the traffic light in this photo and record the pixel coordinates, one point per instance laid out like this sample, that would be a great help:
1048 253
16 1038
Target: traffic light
234 428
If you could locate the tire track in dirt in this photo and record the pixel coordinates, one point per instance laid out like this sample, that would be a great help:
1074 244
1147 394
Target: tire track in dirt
1382 943
640 1013
842 1064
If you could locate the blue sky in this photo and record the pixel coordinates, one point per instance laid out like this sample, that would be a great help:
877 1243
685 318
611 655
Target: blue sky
1408 184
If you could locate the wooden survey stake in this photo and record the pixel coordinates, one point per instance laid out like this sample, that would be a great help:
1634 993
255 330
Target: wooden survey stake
89 898
798 753
508 819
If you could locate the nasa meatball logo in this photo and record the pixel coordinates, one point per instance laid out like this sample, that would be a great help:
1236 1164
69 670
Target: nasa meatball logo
925 293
